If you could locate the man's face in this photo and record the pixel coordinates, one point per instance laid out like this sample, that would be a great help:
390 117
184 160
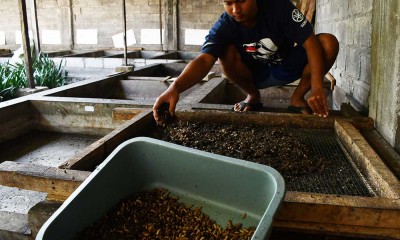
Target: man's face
243 11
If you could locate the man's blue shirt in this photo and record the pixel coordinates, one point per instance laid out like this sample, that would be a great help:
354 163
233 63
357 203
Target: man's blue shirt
280 26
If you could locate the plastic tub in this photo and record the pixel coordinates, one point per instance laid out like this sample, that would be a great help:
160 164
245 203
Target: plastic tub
225 188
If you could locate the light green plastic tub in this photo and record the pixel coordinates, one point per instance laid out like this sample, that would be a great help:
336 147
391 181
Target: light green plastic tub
225 188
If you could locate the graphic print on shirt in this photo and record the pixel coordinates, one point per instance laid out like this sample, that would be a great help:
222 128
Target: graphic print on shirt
297 16
264 51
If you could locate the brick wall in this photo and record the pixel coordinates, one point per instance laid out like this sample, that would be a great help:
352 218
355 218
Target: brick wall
200 14
9 21
351 22
68 18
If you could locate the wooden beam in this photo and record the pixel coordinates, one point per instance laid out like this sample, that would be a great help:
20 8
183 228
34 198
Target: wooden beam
71 23
325 213
97 152
339 230
343 210
125 113
58 183
26 43
124 32
35 27
274 119
331 79
160 24
143 78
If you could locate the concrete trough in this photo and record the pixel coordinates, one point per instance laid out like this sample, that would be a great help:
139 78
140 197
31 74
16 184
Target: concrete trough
140 87
141 92
179 55
363 215
173 70
50 133
6 53
37 137
301 211
222 93
225 94
53 54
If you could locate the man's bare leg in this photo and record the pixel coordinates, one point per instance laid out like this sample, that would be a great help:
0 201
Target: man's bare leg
240 74
330 46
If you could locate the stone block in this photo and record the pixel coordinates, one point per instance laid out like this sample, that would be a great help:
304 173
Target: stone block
353 62
112 62
94 63
28 91
153 61
75 62
363 31
365 71
124 69
14 206
361 93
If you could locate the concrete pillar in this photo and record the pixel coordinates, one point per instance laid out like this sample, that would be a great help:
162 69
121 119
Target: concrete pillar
67 28
384 101
171 28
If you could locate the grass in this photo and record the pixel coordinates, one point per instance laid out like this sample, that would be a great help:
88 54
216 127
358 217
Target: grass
46 73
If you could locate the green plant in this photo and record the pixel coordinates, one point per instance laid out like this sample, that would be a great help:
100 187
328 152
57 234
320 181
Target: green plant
46 73
12 77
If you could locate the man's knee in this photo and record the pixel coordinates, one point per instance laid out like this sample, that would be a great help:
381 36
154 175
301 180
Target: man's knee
230 56
329 43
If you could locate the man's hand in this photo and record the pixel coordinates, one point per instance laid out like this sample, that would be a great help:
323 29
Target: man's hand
317 102
171 96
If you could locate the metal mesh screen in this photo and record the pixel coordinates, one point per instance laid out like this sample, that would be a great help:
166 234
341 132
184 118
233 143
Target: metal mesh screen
335 174
340 177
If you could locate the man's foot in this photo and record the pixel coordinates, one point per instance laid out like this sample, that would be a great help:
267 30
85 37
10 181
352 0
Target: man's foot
251 103
246 106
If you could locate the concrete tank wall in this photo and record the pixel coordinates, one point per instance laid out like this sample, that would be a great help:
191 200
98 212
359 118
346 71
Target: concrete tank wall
384 100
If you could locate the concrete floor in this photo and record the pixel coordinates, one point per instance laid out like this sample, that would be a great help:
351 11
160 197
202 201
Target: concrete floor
14 206
44 148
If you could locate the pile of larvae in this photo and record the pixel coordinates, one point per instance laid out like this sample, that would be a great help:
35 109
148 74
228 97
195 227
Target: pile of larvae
273 146
157 215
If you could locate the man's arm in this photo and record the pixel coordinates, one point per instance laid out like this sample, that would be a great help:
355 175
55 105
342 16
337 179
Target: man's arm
317 100
193 73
